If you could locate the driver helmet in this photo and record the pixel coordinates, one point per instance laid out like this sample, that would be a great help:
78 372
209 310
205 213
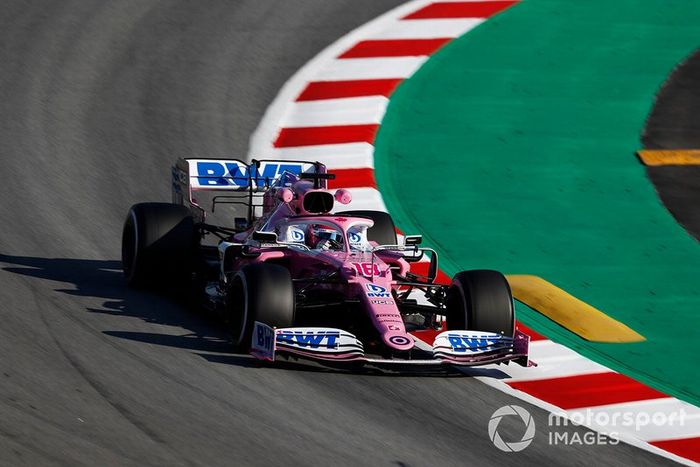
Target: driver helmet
324 237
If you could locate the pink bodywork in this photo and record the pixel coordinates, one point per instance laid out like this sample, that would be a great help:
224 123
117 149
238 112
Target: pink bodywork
367 274
381 309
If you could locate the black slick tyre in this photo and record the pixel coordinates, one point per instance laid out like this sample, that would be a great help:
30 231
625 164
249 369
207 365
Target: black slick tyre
259 292
158 244
480 300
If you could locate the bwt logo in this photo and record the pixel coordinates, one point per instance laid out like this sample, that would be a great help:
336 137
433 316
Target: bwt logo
264 337
312 340
463 343
235 174
377 291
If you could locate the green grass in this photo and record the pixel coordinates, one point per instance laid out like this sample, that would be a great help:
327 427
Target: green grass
519 142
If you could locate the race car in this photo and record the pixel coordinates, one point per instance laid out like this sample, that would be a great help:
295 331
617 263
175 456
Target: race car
299 277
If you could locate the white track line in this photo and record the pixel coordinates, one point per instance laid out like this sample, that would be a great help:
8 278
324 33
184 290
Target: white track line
335 156
623 436
554 361
649 420
328 112
369 68
262 138
428 28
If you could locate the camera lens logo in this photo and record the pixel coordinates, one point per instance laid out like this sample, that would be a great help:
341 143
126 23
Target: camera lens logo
297 236
508 410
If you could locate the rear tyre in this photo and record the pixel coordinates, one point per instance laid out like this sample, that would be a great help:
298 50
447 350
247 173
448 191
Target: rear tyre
383 231
259 292
158 244
480 300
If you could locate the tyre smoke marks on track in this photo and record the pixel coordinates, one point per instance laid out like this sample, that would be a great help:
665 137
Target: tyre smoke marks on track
321 80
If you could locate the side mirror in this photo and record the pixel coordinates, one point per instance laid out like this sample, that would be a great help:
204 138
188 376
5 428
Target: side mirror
264 237
433 269
413 240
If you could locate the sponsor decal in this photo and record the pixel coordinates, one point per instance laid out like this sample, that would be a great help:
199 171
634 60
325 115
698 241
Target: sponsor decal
394 327
297 235
386 315
461 343
382 302
366 269
354 238
312 339
377 291
340 219
234 174
179 176
263 343
264 337
399 340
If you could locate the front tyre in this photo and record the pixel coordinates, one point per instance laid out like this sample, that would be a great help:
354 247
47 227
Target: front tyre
480 300
259 292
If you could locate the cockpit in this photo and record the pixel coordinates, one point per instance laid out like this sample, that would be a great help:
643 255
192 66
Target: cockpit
317 234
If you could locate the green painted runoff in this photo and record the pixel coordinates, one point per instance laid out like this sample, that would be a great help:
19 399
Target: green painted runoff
513 148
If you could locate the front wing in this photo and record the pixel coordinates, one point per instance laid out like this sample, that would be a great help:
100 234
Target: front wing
467 348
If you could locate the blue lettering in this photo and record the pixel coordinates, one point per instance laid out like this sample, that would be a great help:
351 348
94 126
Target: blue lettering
471 342
331 340
239 177
269 173
456 343
285 338
261 336
293 168
233 173
311 340
211 173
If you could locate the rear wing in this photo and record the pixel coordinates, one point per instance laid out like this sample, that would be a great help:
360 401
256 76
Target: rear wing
247 179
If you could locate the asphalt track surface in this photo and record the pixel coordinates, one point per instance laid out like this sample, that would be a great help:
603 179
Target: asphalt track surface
672 124
97 100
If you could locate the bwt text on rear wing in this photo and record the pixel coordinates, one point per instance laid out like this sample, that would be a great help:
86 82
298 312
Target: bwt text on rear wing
233 175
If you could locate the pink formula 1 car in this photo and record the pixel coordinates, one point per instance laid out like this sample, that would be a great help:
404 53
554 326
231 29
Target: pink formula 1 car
297 277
